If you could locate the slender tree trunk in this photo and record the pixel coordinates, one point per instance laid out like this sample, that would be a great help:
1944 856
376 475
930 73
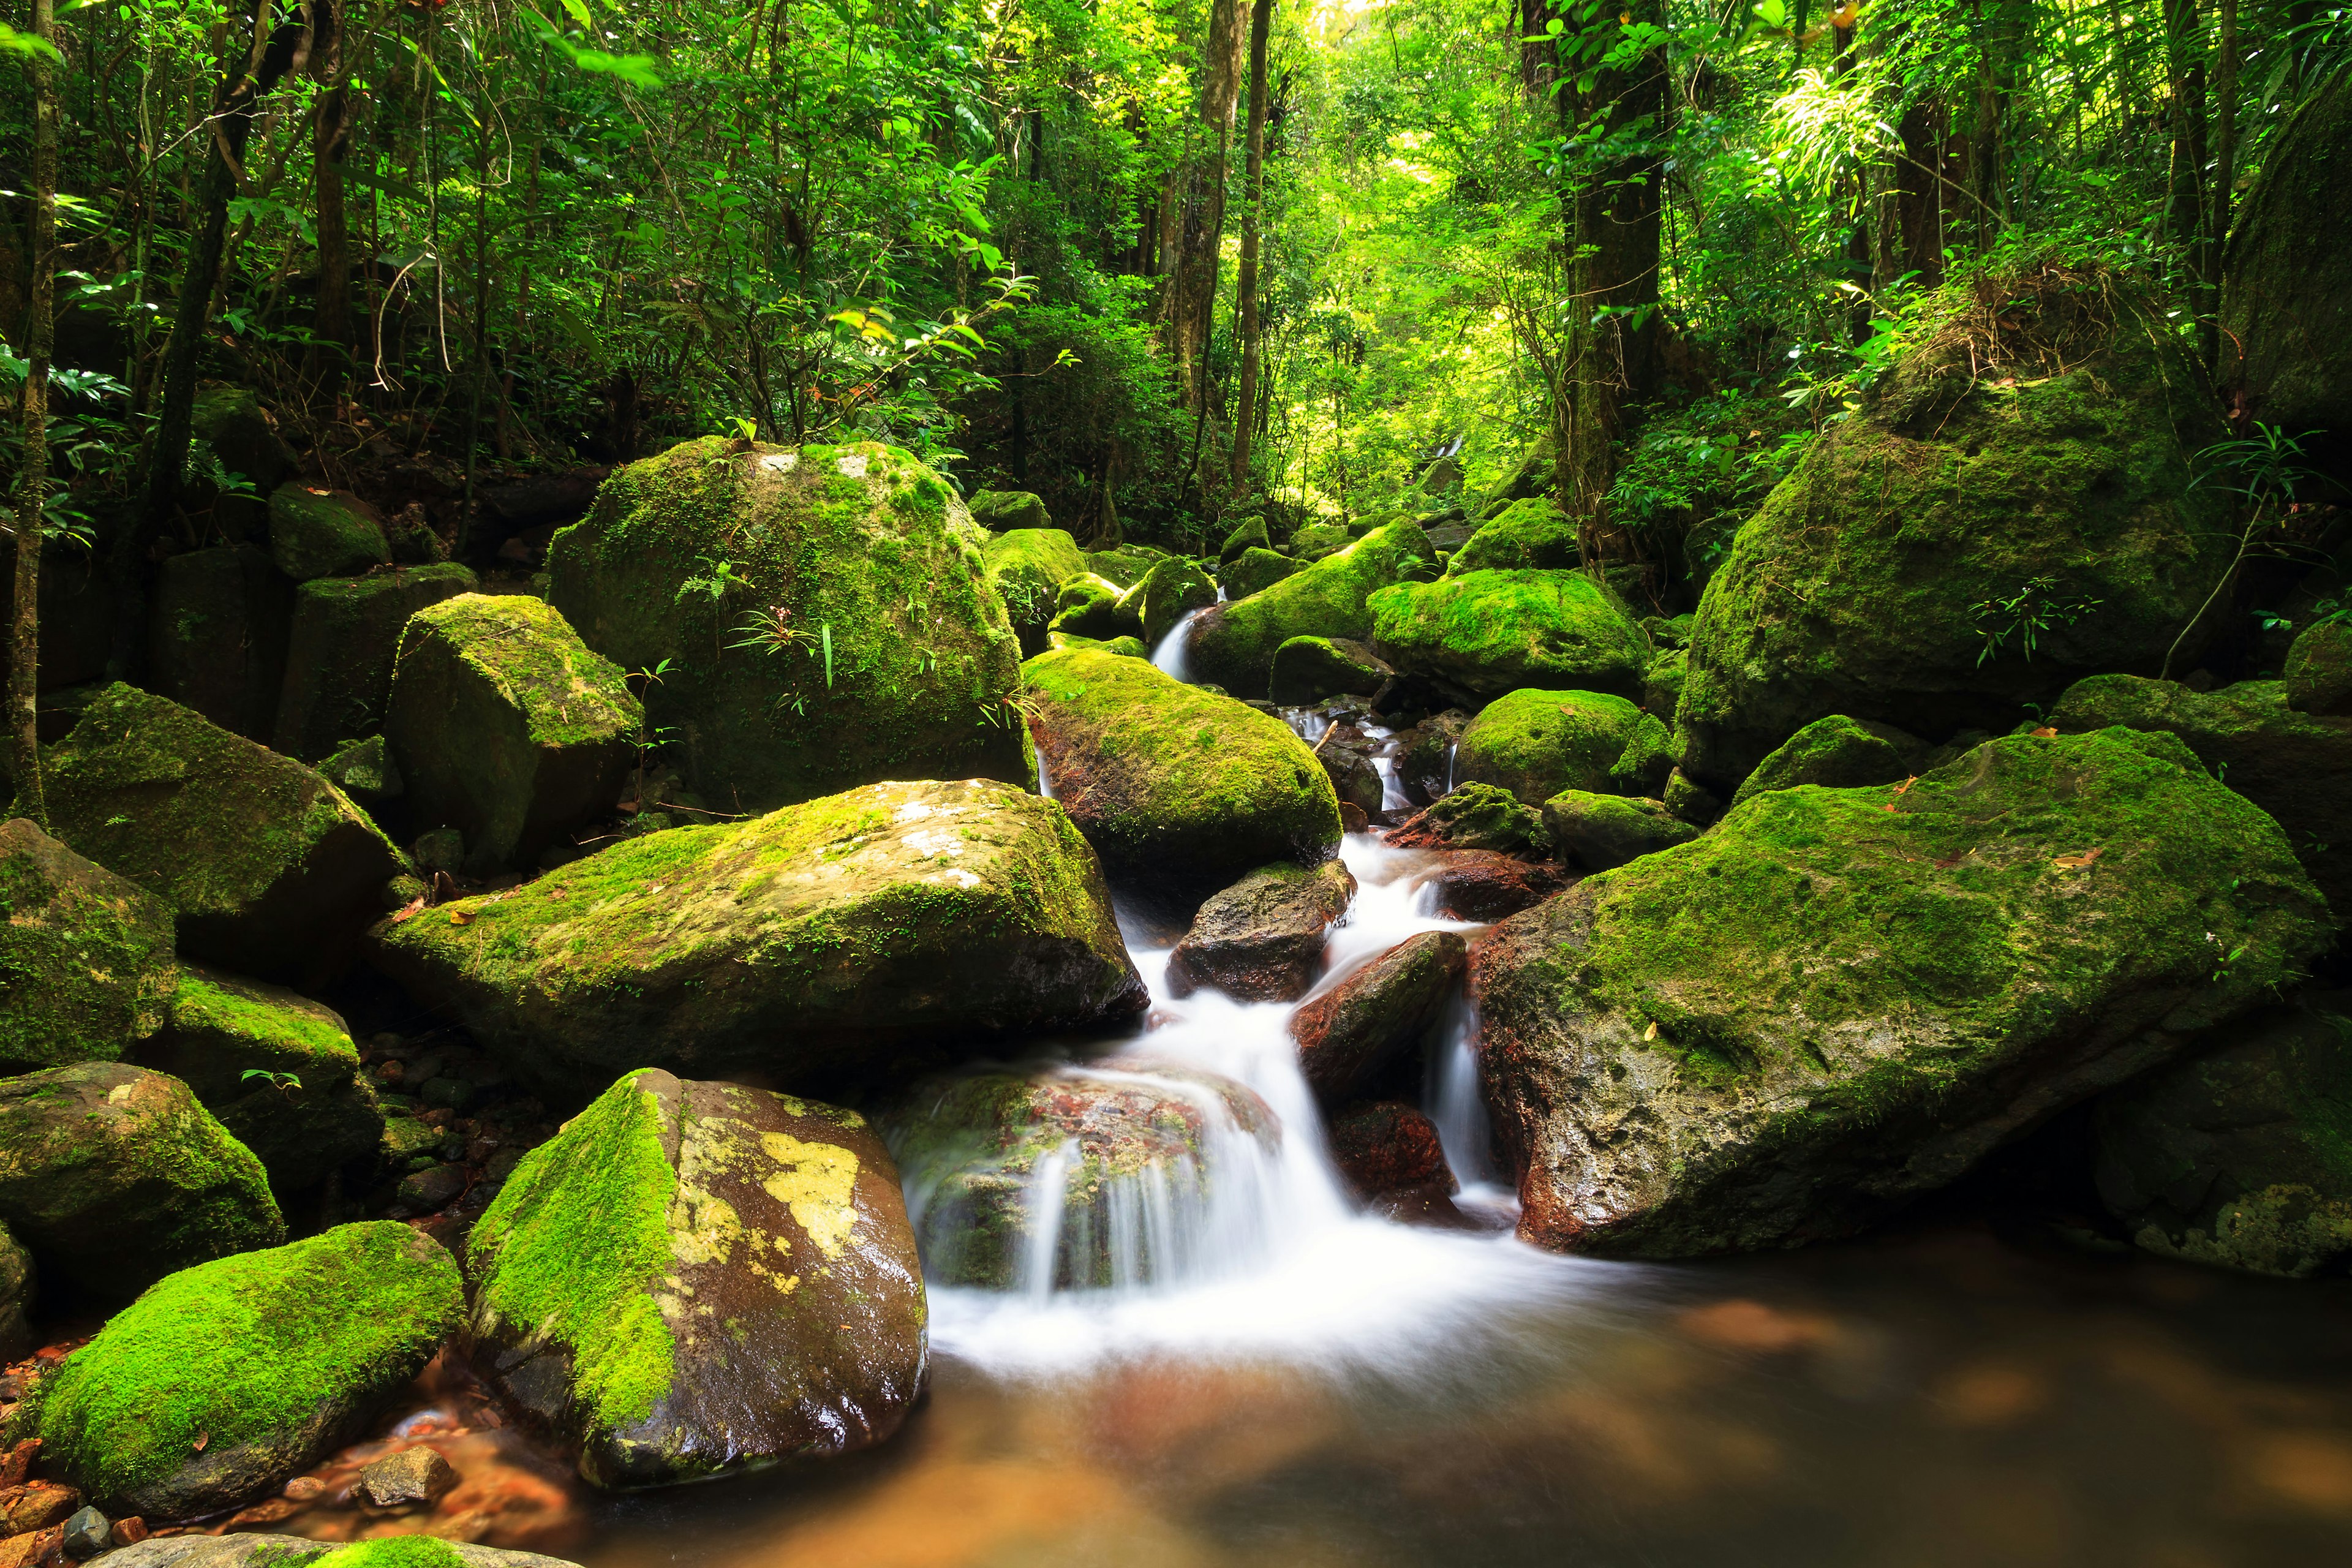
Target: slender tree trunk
1857 236
2225 158
1202 227
330 139
1252 217
481 320
33 483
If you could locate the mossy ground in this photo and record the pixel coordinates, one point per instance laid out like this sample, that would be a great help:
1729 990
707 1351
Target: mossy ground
1484 633
244 1350
1537 744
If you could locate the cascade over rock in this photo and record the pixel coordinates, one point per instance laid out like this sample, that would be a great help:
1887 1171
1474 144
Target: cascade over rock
1838 998
1351 1034
2029 463
819 944
695 1279
852 636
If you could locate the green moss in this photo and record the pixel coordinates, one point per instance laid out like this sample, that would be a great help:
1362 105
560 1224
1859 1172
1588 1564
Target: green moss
1647 761
244 1350
1254 571
1537 744
264 1031
1234 644
85 955
1165 778
393 1552
1010 511
1483 634
339 659
1601 832
893 657
1305 670
1527 535
331 534
2318 672
1484 816
1027 566
1171 589
1839 752
1245 535
572 1245
520 646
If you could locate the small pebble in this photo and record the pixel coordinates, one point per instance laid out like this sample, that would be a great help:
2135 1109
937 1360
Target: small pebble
411 1475
87 1533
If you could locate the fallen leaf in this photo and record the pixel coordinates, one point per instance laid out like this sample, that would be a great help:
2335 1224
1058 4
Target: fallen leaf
461 917
203 1439
408 908
2074 862
1651 1033
1949 862
2047 731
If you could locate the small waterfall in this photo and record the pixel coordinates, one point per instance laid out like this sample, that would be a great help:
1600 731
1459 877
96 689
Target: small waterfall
1172 656
1451 753
1044 778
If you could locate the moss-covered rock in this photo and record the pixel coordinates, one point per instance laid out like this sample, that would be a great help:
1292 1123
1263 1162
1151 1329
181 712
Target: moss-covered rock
1126 564
1262 939
1426 756
216 643
277 1070
1838 751
978 1152
114 1176
1234 644
1171 589
1537 744
1839 998
1475 816
1895 574
1527 535
243 1550
85 956
1308 669
1314 541
815 944
232 422
1257 570
1483 634
1352 1034
267 867
1125 647
1245 536
1647 761
850 637
1027 568
339 659
1094 607
2286 301
1662 680
2296 766
1005 511
2240 1154
1692 802
1602 831
320 532
695 1279
364 771
507 727
1172 784
2318 672
230 1377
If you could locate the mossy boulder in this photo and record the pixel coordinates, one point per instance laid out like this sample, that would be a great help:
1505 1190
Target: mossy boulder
1475 816
1314 541
819 944
268 868
1027 568
2297 766
1262 939
2240 1154
1308 669
1125 648
1353 1034
2319 671
1125 564
1243 537
278 1070
1094 607
980 1154
1005 511
1257 570
694 1278
1537 744
340 656
1602 831
1234 644
216 643
1172 783
232 422
364 771
1171 589
1840 752
114 1176
507 727
320 532
1648 759
85 956
1839 998
231 1377
248 1549
1897 575
1531 534
1483 634
2286 300
852 638
1662 680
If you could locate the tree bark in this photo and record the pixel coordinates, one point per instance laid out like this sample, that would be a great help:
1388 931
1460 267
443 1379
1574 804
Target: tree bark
331 320
33 482
1201 226
2225 158
1253 184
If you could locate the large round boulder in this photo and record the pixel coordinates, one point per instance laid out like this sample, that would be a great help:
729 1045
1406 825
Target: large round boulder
1027 567
1839 752
85 955
695 1279
1839 998
1537 744
820 944
1172 784
2010 509
115 1176
229 1378
1480 633
1232 644
819 617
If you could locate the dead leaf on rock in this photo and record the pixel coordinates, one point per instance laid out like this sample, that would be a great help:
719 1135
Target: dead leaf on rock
2047 733
203 1439
2074 862
461 917
408 908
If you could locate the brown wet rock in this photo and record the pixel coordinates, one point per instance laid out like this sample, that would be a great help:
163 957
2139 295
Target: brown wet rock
1373 1016
1486 885
696 1279
37 1505
1262 939
411 1475
431 1189
1389 1156
33 1547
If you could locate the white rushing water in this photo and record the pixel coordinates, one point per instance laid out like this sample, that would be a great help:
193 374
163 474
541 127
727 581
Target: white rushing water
1261 1254
1171 657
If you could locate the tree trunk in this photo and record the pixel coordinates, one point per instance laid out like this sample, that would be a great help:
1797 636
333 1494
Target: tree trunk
331 320
1912 230
1253 184
33 484
1202 224
2225 158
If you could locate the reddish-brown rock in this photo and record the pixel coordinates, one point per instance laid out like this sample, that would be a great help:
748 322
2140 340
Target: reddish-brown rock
1262 939
1390 1156
1484 885
1378 1013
